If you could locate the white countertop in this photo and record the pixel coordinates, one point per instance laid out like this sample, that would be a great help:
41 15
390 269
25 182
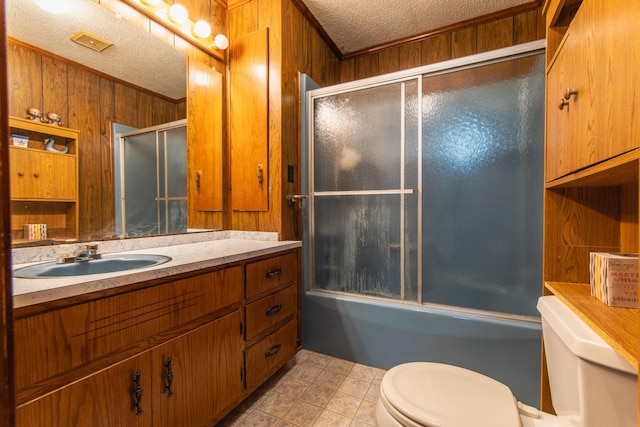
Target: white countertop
186 258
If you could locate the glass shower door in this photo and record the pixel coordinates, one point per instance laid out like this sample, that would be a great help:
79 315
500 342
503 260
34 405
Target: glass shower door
154 183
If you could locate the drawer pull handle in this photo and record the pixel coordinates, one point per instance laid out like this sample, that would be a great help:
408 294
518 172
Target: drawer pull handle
272 351
169 384
273 310
137 393
273 273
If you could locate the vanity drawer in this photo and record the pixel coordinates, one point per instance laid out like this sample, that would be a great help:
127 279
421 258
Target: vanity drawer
268 311
270 354
269 274
62 340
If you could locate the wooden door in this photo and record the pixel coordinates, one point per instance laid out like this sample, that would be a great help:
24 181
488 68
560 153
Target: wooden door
37 174
204 136
611 39
557 127
104 399
198 375
249 117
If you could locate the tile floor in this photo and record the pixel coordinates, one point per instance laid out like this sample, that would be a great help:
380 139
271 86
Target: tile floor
313 389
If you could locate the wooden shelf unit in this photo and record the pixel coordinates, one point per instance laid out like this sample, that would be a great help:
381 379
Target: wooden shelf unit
44 184
591 198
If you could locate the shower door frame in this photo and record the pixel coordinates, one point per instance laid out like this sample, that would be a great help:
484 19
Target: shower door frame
156 130
472 61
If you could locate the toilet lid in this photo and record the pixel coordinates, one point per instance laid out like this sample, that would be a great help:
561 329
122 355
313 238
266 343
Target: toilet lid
439 395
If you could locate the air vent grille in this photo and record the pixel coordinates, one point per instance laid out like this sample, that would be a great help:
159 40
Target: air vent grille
91 41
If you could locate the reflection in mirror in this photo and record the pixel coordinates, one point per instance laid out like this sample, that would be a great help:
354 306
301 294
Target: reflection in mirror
151 180
138 82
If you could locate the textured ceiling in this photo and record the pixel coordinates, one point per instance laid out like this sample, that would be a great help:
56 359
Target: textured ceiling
136 56
354 25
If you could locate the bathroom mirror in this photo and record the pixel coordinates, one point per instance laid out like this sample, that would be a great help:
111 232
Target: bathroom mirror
139 81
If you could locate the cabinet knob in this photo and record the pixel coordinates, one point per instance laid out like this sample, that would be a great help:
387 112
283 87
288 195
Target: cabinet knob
36 174
569 93
563 103
20 173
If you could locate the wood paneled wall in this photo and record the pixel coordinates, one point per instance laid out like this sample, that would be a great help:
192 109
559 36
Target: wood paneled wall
460 40
294 47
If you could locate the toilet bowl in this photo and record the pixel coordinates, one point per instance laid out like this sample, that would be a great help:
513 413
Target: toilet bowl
590 384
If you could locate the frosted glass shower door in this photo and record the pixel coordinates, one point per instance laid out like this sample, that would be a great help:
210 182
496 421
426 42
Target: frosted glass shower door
154 180
365 191
482 181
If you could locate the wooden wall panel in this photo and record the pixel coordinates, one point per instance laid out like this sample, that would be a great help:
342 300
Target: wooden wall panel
107 197
464 42
495 35
476 37
436 49
24 68
410 55
389 60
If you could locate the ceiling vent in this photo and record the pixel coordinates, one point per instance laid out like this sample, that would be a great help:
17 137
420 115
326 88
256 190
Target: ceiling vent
91 41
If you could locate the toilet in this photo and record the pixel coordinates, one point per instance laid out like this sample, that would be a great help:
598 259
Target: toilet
590 384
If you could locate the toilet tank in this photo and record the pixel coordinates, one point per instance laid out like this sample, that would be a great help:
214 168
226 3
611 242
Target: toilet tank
591 384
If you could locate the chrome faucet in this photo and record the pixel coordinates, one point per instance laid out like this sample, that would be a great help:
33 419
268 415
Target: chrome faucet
87 254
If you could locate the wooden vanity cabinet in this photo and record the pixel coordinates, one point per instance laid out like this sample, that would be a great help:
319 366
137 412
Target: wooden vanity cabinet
192 348
591 198
44 184
83 358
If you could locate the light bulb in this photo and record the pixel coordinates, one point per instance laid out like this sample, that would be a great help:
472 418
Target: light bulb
202 29
178 14
221 41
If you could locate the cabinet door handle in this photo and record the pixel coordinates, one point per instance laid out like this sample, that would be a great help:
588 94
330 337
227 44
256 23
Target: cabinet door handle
569 93
198 175
273 273
169 384
273 310
563 103
272 351
137 393
260 176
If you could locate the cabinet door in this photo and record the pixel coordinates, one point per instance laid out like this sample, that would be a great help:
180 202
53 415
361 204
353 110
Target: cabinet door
204 374
598 61
105 399
37 174
611 39
249 104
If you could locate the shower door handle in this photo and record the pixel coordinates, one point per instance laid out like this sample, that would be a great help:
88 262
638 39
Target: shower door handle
293 198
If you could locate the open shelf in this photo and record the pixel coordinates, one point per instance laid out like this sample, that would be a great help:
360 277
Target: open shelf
618 327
